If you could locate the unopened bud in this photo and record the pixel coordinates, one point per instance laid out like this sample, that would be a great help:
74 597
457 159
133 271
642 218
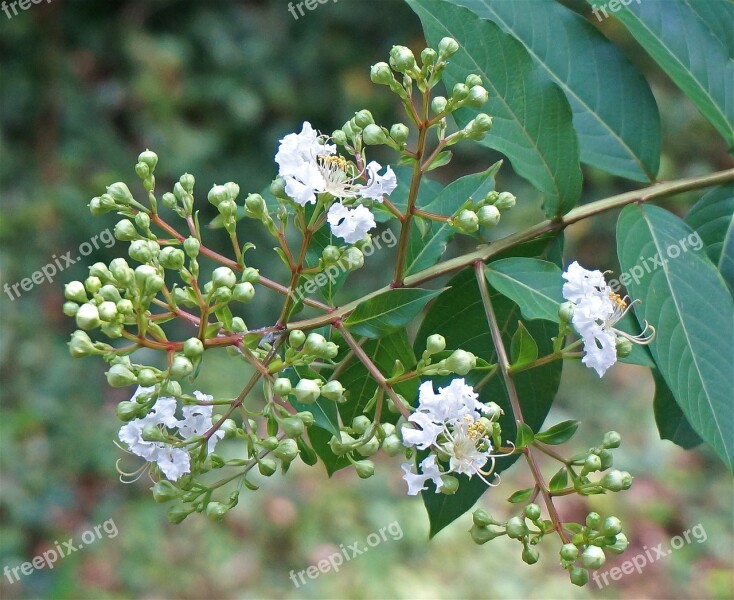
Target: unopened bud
365 468
449 485
150 158
612 439
623 347
125 231
363 118
516 528
191 247
287 450
307 391
488 216
381 74
435 343
164 491
217 195
467 221
87 317
402 59
74 290
447 47
282 386
120 376
243 292
80 344
477 96
120 193
530 555
255 206
399 133
373 135
569 552
181 367
333 390
193 348
296 338
461 362
392 446
315 344
369 448
292 426
565 312
223 277
171 258
505 201
593 557
578 576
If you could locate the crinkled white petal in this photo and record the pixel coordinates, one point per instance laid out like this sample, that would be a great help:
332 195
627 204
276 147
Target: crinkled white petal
425 436
451 403
417 481
582 283
350 224
197 420
295 149
173 462
600 350
304 183
378 185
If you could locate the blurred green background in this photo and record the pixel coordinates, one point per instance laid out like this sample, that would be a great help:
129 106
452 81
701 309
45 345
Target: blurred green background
211 86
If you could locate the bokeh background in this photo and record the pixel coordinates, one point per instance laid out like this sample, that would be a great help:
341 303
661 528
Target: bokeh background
211 86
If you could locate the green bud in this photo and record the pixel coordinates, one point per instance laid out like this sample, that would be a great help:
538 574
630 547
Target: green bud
100 270
611 526
125 307
392 446
467 221
87 317
613 481
215 511
330 255
477 97
232 189
282 386
243 292
438 104
164 491
255 206
169 200
331 350
402 59
428 57
149 158
92 284
127 410
191 247
569 552
277 188
620 544
181 367
337 444
373 135
307 391
591 464
315 344
339 137
505 201
473 80
461 362
110 293
593 557
370 448
120 376
460 92
70 309
217 195
612 439
223 277
141 251
227 208
626 480
435 343
287 450
74 290
292 426
148 279
176 514
147 377
296 338
482 518
381 74
447 47
483 122
122 272
449 485
579 576
488 216
593 520
193 348
532 511
306 417
107 311
482 535
352 259
530 555
516 528
250 275
333 391
229 427
565 312
623 347
360 424
399 133
120 193
142 220
363 118
365 468
142 170
171 258
187 181
80 344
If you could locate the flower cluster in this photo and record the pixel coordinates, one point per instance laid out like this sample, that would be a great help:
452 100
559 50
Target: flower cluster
453 424
596 309
310 166
171 460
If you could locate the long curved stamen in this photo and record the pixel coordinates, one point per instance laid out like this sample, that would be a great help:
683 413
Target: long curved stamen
644 338
136 474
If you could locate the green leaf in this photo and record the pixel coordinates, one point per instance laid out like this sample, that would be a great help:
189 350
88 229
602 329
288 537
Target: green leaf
688 50
692 310
672 423
425 249
614 112
726 261
525 436
559 480
532 118
523 349
458 315
388 312
712 217
521 495
558 434
535 285
442 159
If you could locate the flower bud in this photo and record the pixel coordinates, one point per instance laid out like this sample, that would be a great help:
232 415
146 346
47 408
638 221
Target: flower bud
620 544
578 576
337 444
612 439
333 391
217 195
482 518
360 424
171 258
593 557
461 362
370 448
352 259
482 535
626 480
191 247
447 47
292 426
122 272
223 277
373 135
565 312
250 275
532 511
141 251
193 348
483 122
87 317
315 344
392 446
593 519
147 377
363 118
613 481
181 367
169 200
402 59
505 201
187 182
307 391
148 279
477 97
607 458
296 338
530 555
330 255
120 193
232 189
488 216
449 485
101 272
428 57
365 468
270 443
611 526
516 528
467 221
460 92
164 491
142 220
107 311
339 137
381 74
435 343
399 133
120 376
215 511
127 410
331 350
70 309
569 552
306 417
287 450
110 293
243 292
92 284
149 158
80 344
282 386
473 80
227 208
591 464
74 290
255 206
623 347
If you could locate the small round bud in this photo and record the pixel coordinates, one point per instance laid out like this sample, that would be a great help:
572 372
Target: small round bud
181 367
591 464
505 201
365 468
296 338
626 480
339 137
269 443
74 290
110 293
277 188
488 216
330 255
337 444
292 426
482 122
223 277
613 481
428 57
315 344
473 80
191 247
620 544
353 259
164 491
392 446
399 133
147 377
373 135
125 307
611 526
215 511
148 279
460 92
569 552
307 391
287 450
250 275
125 231
532 511
578 576
623 347
593 557
611 439
593 520
516 528
381 74
607 458
360 424
149 158
447 47
449 485
530 555
333 391
243 292
461 362
120 376
227 208
141 251
331 350
193 348
232 189
187 181
107 311
435 343
565 312
282 386
402 59
127 411
306 417
80 344
370 448
87 317
477 96
70 309
92 284
122 272
142 220
363 118
169 200
120 193
217 195
255 205
482 518
171 258
482 535
467 221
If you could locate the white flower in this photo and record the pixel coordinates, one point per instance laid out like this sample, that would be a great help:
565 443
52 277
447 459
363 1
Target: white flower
197 420
350 224
378 185
295 149
417 481
424 437
468 447
596 310
173 462
160 414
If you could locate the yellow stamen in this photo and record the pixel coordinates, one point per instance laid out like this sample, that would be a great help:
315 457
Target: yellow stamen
618 300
